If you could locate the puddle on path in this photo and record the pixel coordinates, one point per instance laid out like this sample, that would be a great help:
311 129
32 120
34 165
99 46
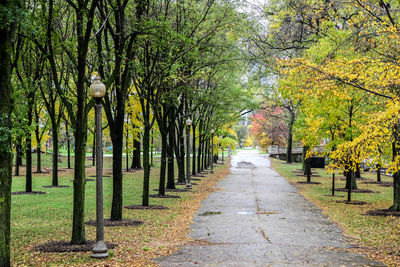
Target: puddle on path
245 212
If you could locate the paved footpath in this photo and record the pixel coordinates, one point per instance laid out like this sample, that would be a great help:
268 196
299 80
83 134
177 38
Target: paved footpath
263 222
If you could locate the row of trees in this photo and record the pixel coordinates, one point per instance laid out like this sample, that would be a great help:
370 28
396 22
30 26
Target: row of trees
336 63
162 62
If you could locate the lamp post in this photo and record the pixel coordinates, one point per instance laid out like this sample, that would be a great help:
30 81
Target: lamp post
188 124
97 91
212 150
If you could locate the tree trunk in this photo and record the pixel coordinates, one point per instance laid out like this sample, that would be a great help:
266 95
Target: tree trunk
171 170
351 180
38 146
126 151
193 149
28 145
350 176
78 221
146 163
68 147
5 143
396 175
18 157
151 146
136 155
290 139
378 173
117 142
358 171
199 156
54 132
333 184
163 166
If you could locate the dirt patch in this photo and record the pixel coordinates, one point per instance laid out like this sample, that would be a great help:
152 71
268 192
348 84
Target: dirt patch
28 193
110 223
198 176
308 183
65 246
354 202
302 175
357 190
333 196
385 184
165 196
107 176
56 186
383 212
150 207
195 179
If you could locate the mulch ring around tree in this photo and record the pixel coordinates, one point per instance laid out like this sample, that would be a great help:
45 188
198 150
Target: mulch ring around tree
173 190
353 202
150 207
55 186
357 190
308 183
28 193
165 196
195 179
385 184
110 223
87 180
103 176
198 175
333 195
66 246
358 179
383 213
312 175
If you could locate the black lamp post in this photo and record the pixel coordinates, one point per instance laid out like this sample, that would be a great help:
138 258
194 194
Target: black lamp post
188 124
97 91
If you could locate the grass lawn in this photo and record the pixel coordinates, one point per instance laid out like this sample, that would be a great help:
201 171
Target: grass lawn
376 236
37 219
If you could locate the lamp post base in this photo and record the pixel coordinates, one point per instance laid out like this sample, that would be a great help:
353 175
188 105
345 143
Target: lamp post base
99 250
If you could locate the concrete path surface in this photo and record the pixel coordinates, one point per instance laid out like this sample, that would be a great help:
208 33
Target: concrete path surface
258 219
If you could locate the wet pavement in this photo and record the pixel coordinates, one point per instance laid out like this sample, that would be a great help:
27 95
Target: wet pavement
258 219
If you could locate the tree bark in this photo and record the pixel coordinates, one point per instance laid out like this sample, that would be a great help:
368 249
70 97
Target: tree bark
68 147
146 163
378 173
28 146
171 169
38 146
193 149
136 164
5 144
180 154
163 166
54 131
18 156
78 220
290 138
117 141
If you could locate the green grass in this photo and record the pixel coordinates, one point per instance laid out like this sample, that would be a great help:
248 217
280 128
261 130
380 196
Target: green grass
37 219
378 236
